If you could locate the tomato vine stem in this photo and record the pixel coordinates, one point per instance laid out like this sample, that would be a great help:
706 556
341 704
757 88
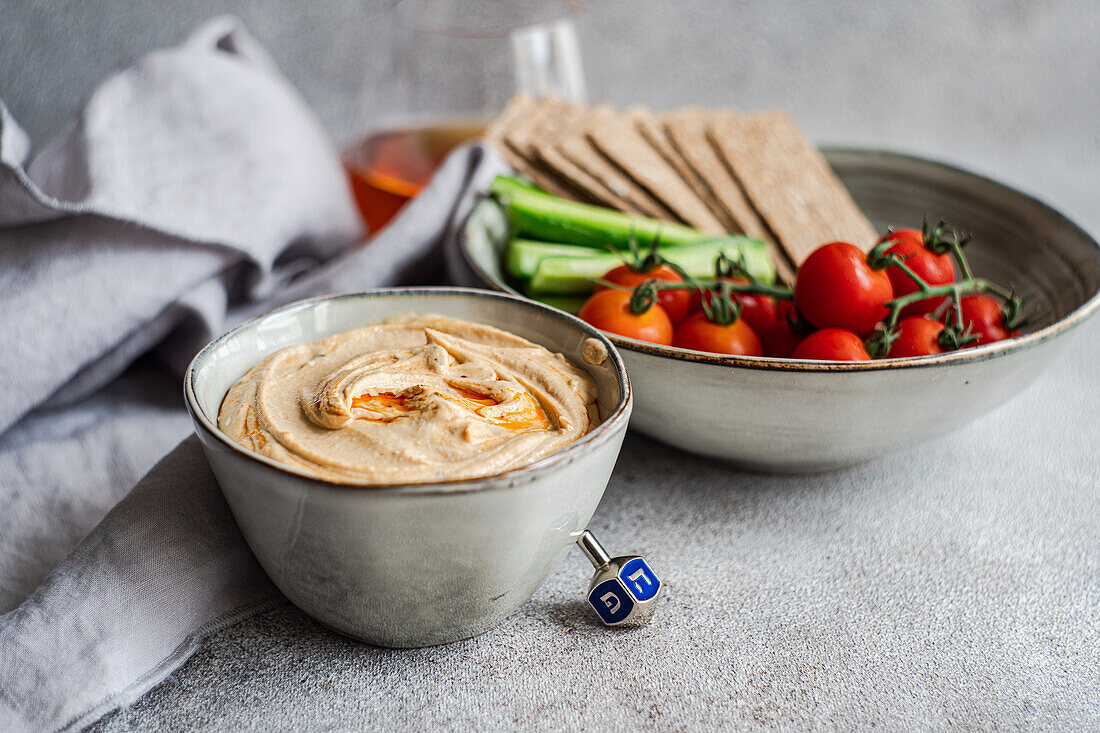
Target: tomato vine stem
940 239
732 278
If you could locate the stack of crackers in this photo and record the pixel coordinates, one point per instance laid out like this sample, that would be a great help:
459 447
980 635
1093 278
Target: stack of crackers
720 171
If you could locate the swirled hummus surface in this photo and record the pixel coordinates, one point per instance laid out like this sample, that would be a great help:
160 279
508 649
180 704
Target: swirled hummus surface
410 399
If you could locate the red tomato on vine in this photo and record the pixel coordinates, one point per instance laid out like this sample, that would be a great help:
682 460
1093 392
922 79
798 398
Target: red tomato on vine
985 317
610 310
917 336
676 303
832 344
702 334
934 269
781 335
837 288
757 310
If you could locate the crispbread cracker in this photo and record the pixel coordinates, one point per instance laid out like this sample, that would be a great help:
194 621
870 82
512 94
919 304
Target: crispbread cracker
530 128
516 116
687 131
516 113
716 170
545 179
518 108
617 138
652 129
551 182
790 183
555 119
576 146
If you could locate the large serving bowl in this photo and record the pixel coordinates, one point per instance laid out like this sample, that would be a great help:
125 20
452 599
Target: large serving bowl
418 564
797 415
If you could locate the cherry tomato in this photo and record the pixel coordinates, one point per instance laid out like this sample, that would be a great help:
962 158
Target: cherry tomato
836 288
610 310
779 337
985 317
702 334
934 269
757 310
676 303
832 344
917 336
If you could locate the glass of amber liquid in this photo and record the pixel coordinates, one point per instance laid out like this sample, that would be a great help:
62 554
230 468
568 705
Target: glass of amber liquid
448 68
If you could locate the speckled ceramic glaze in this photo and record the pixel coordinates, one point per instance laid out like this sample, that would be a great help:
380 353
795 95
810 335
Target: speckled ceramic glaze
794 415
418 564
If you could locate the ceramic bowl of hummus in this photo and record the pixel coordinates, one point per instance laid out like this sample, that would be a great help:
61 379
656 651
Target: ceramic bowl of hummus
409 465
787 415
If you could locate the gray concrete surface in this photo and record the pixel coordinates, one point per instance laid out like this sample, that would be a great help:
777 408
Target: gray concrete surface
954 587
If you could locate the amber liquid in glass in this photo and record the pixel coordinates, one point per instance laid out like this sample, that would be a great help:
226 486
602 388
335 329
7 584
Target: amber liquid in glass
390 167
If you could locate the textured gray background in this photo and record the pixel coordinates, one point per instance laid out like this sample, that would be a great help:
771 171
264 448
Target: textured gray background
1008 88
955 586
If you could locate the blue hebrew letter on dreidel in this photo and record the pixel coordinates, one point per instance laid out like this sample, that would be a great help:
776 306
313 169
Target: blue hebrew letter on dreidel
611 601
640 579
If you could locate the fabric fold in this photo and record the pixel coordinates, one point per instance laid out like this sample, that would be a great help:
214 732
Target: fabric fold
113 250
129 598
167 565
196 164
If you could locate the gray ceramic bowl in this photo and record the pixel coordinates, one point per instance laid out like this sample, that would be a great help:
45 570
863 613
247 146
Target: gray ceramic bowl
794 415
419 564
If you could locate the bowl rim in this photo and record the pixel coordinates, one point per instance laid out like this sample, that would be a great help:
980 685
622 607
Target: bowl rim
971 354
601 434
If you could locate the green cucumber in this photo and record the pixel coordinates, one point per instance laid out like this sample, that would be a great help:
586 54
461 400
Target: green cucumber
575 275
523 256
525 183
535 214
568 303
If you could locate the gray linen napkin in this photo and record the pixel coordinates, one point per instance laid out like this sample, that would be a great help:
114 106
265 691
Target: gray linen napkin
194 190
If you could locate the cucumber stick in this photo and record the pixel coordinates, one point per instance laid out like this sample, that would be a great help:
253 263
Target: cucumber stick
523 256
575 275
535 214
568 303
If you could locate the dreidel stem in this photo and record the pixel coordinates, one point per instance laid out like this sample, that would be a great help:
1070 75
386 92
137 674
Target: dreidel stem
593 550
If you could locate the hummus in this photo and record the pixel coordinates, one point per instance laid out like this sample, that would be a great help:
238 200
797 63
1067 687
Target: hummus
411 399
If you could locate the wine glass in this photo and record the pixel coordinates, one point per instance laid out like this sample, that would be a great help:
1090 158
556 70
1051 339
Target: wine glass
450 66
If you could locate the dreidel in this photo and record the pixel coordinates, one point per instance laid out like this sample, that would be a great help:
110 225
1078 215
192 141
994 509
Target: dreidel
624 589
